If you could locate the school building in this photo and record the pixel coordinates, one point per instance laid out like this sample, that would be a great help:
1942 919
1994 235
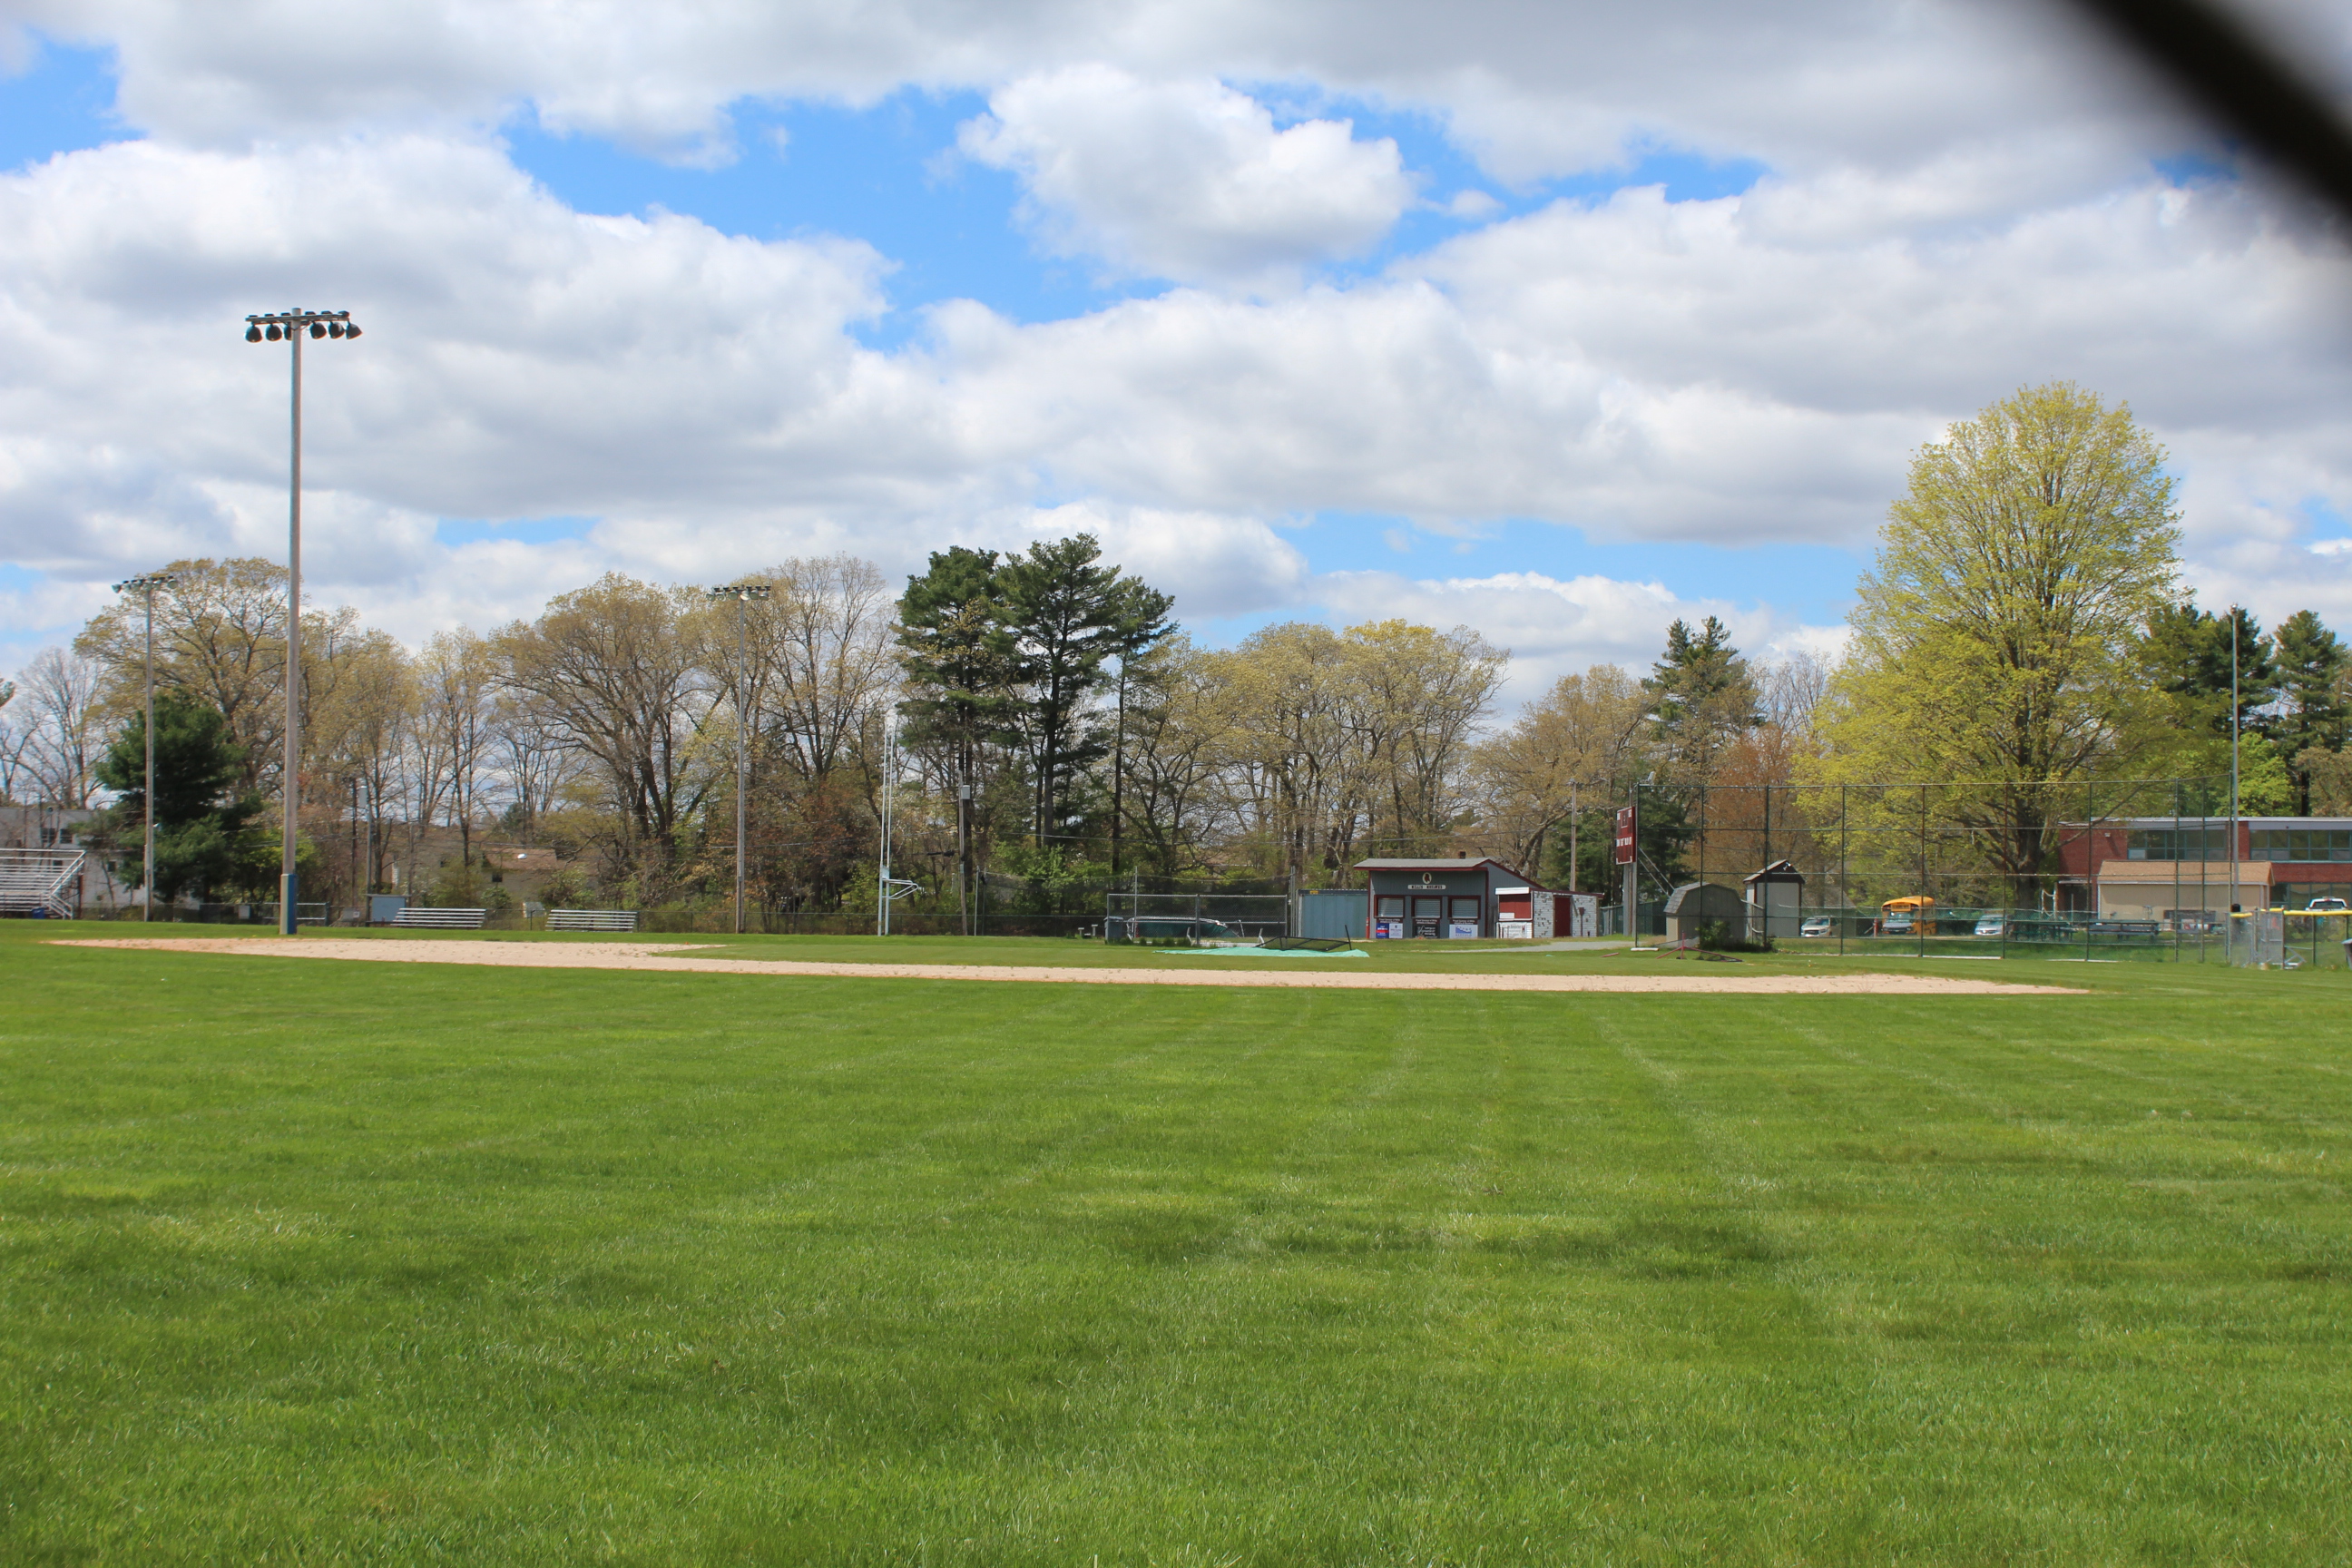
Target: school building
2144 867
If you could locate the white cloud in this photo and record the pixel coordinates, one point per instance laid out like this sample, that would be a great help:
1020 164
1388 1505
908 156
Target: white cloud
1188 181
1214 565
1554 627
1537 89
1950 214
1713 370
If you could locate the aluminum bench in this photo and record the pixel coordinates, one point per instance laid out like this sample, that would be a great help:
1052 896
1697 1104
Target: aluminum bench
592 920
415 919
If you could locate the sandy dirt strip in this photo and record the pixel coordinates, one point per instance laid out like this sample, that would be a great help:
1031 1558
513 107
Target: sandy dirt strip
661 958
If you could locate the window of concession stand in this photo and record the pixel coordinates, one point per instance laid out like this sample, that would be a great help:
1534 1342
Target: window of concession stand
1435 900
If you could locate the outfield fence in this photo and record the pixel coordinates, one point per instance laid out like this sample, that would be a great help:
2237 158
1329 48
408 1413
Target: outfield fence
2126 869
1249 915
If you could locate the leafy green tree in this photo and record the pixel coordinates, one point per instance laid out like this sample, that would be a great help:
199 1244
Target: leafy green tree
950 646
959 671
1701 698
1998 638
203 822
2266 785
1143 626
2311 714
2188 658
1064 617
2188 653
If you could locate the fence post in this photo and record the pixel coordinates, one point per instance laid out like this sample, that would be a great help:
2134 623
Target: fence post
2176 870
1918 916
2090 859
1845 896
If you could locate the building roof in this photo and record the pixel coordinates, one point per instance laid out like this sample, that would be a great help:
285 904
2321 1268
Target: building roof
1452 863
2222 820
1702 894
2194 873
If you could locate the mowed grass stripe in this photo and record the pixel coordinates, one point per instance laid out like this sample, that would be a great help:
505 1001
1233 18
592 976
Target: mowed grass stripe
526 1267
1922 1291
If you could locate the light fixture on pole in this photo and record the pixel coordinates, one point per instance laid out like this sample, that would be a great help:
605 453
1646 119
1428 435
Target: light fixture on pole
146 587
292 326
742 593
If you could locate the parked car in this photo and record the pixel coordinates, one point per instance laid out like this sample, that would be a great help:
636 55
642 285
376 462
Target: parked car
1817 925
2327 906
1992 925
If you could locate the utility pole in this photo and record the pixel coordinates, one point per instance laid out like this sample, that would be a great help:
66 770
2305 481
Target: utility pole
2229 947
1573 822
963 846
1629 850
291 326
1118 771
882 877
147 586
742 593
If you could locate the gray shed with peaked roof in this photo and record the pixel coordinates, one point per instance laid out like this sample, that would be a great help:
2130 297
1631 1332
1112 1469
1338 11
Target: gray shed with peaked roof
1694 904
1776 897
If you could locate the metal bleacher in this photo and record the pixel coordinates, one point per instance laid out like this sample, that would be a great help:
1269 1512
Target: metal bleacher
592 920
37 881
415 919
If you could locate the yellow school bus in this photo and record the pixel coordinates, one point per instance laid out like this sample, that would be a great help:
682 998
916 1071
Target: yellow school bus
1901 917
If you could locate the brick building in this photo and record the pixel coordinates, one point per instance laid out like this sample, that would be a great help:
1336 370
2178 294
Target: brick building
2142 867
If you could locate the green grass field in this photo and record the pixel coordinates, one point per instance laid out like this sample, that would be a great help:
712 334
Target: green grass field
304 1262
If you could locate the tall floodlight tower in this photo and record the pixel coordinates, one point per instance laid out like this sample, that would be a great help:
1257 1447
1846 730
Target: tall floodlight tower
2230 947
292 327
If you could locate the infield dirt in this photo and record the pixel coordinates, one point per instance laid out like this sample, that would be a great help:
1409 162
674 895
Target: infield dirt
663 958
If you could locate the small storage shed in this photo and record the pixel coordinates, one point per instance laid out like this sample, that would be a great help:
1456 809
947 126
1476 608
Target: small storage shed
1776 898
1426 899
1694 904
1541 915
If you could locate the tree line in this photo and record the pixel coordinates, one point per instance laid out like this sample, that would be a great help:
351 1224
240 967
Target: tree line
1050 729
1046 725
2023 657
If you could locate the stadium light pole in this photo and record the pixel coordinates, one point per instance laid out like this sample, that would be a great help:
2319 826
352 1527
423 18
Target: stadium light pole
146 587
742 593
2231 946
291 326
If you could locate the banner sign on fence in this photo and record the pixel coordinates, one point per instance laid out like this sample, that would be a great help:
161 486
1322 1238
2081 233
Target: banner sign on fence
1625 836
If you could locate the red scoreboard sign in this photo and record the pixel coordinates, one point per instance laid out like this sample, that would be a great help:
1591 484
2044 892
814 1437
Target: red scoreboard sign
1625 836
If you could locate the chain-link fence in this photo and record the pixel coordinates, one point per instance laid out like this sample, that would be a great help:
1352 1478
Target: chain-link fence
1199 916
2091 869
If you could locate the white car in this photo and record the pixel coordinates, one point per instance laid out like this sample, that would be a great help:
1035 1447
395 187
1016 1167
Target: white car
1815 925
1992 925
2327 906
